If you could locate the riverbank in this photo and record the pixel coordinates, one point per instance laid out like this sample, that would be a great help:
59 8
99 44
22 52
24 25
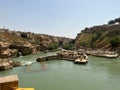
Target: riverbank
106 54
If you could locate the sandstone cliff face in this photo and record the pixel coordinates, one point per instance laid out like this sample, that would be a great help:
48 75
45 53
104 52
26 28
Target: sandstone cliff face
98 36
13 42
25 49
4 50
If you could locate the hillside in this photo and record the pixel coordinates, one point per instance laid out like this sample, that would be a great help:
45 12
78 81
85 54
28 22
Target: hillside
102 37
14 42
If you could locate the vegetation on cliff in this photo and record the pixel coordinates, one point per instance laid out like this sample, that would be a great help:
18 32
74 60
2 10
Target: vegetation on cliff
117 20
103 36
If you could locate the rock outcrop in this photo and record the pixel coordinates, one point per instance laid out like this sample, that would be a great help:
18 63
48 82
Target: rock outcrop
4 50
26 42
16 64
6 64
24 49
102 37
14 53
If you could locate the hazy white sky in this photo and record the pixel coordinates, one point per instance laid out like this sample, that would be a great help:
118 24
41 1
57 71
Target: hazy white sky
56 17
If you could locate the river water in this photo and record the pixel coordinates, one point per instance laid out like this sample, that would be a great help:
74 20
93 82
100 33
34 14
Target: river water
98 74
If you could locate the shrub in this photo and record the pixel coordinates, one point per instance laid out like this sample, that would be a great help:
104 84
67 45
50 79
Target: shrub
68 46
111 22
53 46
115 42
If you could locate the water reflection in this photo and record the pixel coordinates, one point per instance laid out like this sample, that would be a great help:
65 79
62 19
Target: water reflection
30 68
43 66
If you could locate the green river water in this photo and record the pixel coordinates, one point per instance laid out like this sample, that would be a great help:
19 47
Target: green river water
98 74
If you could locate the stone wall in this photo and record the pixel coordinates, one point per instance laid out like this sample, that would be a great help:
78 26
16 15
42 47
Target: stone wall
52 57
9 82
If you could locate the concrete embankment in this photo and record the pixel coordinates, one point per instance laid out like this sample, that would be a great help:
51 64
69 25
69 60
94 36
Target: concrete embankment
11 82
65 55
45 58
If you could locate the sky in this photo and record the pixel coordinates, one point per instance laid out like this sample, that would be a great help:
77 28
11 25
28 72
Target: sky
56 17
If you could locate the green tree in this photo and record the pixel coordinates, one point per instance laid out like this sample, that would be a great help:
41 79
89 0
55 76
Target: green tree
24 35
111 22
61 43
68 46
72 41
53 46
117 20
115 42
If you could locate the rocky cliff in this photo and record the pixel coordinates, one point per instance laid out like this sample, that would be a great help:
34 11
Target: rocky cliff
14 42
102 37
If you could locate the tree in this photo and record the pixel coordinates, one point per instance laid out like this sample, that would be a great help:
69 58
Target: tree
115 42
61 43
24 35
111 22
68 46
53 46
117 20
72 41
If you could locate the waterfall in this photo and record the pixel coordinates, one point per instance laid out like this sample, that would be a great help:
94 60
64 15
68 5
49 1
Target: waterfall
20 53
